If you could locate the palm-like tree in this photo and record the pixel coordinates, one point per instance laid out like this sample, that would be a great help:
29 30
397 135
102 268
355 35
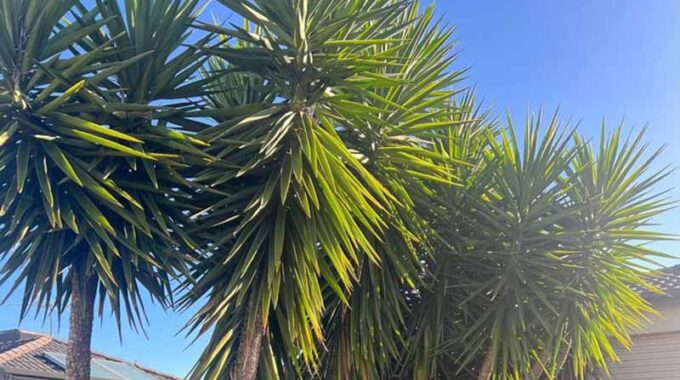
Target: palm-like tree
91 101
365 334
440 312
355 217
323 129
541 252
342 154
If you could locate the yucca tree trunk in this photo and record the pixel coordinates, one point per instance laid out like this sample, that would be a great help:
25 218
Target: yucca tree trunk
250 346
80 324
487 366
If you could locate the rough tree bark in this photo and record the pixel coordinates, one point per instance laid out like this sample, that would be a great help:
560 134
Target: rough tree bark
83 292
250 346
487 366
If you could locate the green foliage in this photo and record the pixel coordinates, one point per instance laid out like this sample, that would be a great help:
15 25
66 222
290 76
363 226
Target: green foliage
441 311
540 256
378 228
89 164
316 172
324 132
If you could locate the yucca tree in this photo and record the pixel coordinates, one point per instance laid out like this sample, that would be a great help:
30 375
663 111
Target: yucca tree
323 130
361 223
344 213
365 334
541 252
90 156
440 312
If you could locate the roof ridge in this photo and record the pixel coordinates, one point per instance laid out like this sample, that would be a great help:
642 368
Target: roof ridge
25 348
155 372
664 269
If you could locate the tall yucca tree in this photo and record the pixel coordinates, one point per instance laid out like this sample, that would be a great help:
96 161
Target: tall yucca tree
322 136
616 182
89 159
439 311
541 252
365 334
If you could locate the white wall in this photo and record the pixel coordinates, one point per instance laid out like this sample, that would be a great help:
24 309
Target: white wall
669 321
655 354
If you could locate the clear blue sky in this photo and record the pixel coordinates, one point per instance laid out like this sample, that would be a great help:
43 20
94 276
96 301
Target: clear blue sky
595 59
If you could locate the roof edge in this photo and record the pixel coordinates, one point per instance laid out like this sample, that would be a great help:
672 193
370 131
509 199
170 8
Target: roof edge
32 373
126 361
24 348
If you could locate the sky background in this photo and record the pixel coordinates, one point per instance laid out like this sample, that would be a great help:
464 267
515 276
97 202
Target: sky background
595 60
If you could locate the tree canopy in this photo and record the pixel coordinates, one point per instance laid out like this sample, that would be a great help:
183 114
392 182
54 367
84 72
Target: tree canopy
319 181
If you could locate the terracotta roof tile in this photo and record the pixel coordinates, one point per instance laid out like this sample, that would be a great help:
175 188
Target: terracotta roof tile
24 349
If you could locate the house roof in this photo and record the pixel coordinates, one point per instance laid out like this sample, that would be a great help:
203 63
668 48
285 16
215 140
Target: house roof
24 353
667 280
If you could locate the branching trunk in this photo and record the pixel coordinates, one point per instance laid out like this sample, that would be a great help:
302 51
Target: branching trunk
485 371
250 347
80 324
